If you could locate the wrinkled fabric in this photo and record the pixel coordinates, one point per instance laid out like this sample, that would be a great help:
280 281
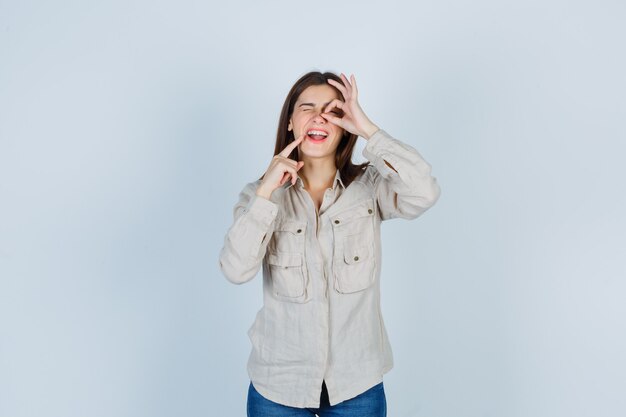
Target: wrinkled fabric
321 319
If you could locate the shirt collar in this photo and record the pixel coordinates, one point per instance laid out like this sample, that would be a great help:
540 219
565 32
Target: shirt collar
336 180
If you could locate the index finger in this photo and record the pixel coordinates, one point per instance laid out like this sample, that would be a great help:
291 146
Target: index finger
287 151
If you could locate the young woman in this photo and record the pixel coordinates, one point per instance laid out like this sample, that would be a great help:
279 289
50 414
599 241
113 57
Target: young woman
312 221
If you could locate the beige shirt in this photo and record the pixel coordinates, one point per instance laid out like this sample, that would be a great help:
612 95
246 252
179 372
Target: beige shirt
321 316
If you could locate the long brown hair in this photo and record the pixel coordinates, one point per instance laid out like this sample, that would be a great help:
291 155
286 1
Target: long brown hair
343 154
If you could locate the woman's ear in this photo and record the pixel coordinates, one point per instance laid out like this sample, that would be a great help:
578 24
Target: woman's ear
289 127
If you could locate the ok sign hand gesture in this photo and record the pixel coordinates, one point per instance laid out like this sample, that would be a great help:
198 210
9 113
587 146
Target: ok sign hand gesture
354 119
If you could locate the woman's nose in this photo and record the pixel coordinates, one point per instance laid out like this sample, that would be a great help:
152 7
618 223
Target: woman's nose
318 116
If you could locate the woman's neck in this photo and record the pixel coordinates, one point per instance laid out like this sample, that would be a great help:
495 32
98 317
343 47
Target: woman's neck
318 173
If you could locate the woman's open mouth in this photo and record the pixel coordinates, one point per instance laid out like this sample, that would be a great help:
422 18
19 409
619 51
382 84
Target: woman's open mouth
315 135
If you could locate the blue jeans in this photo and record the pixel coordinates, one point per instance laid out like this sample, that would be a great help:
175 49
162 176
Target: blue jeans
371 403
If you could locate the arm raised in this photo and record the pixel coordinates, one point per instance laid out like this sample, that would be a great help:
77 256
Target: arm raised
403 182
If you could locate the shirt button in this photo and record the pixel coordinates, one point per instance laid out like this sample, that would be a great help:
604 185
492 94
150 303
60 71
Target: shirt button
369 211
299 230
356 258
336 221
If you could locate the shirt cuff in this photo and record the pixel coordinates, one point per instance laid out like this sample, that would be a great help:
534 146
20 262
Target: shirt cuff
376 151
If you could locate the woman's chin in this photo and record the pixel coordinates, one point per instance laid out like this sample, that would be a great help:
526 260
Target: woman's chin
313 153
317 147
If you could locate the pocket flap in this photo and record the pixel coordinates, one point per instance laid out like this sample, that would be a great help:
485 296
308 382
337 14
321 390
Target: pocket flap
362 209
297 227
353 255
284 259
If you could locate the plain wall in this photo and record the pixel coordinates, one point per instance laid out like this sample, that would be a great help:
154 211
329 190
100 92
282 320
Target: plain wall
128 128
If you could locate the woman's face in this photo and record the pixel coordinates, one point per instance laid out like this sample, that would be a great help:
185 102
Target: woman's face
306 118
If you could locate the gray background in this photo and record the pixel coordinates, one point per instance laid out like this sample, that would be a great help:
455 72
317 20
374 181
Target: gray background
127 130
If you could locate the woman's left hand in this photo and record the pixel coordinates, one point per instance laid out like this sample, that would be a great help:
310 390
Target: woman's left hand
354 119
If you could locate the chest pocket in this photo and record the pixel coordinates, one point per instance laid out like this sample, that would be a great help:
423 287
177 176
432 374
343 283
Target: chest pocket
290 279
287 262
354 257
356 219
289 236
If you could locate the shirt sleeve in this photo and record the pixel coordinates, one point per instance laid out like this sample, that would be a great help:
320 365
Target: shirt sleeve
246 240
411 190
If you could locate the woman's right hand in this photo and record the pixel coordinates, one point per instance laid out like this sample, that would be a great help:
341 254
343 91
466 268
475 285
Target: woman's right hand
280 169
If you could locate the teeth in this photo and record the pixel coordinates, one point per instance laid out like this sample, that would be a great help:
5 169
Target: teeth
316 132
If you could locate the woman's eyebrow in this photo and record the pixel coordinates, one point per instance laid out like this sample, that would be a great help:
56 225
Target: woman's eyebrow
312 104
